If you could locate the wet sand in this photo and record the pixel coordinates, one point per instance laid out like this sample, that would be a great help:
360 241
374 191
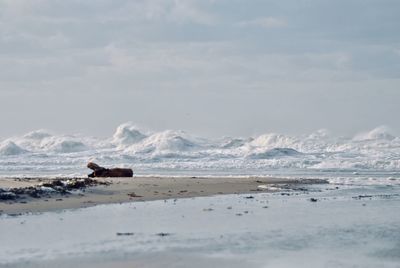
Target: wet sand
345 226
121 190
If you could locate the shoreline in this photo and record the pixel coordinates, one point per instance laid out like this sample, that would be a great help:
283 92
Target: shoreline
122 190
343 225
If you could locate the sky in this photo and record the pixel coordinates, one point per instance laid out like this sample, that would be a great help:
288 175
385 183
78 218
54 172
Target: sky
209 67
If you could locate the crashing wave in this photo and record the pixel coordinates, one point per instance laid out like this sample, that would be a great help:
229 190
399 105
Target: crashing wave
234 143
127 134
166 141
10 148
177 151
37 135
379 133
42 141
68 146
274 153
274 141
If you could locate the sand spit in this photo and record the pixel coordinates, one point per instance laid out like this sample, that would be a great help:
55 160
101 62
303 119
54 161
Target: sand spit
32 195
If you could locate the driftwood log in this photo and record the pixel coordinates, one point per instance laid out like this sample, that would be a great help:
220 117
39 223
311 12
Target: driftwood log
99 171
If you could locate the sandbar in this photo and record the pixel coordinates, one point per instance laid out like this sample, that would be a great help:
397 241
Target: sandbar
139 188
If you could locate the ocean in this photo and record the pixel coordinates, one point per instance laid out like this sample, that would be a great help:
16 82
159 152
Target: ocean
367 158
351 222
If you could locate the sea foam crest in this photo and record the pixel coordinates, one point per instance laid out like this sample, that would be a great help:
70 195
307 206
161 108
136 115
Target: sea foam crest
229 143
166 141
272 140
10 148
274 153
37 135
45 142
127 134
379 133
68 146
177 150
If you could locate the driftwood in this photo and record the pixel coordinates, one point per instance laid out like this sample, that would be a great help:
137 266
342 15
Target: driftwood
99 171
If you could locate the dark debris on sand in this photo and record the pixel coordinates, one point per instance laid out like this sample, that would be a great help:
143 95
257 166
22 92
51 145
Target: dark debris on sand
163 234
49 188
125 234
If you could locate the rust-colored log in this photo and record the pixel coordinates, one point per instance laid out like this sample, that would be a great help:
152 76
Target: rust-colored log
99 171
93 166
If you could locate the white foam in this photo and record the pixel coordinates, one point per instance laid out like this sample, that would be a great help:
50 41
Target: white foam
37 135
127 134
163 142
8 148
174 152
273 140
274 153
379 133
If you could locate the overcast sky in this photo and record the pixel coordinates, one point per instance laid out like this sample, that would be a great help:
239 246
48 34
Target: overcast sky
210 67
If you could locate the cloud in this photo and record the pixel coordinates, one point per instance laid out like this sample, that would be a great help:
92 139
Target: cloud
106 10
166 58
183 10
176 43
267 22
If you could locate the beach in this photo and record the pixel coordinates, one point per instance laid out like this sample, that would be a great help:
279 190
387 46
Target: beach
290 225
196 134
120 190
268 201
